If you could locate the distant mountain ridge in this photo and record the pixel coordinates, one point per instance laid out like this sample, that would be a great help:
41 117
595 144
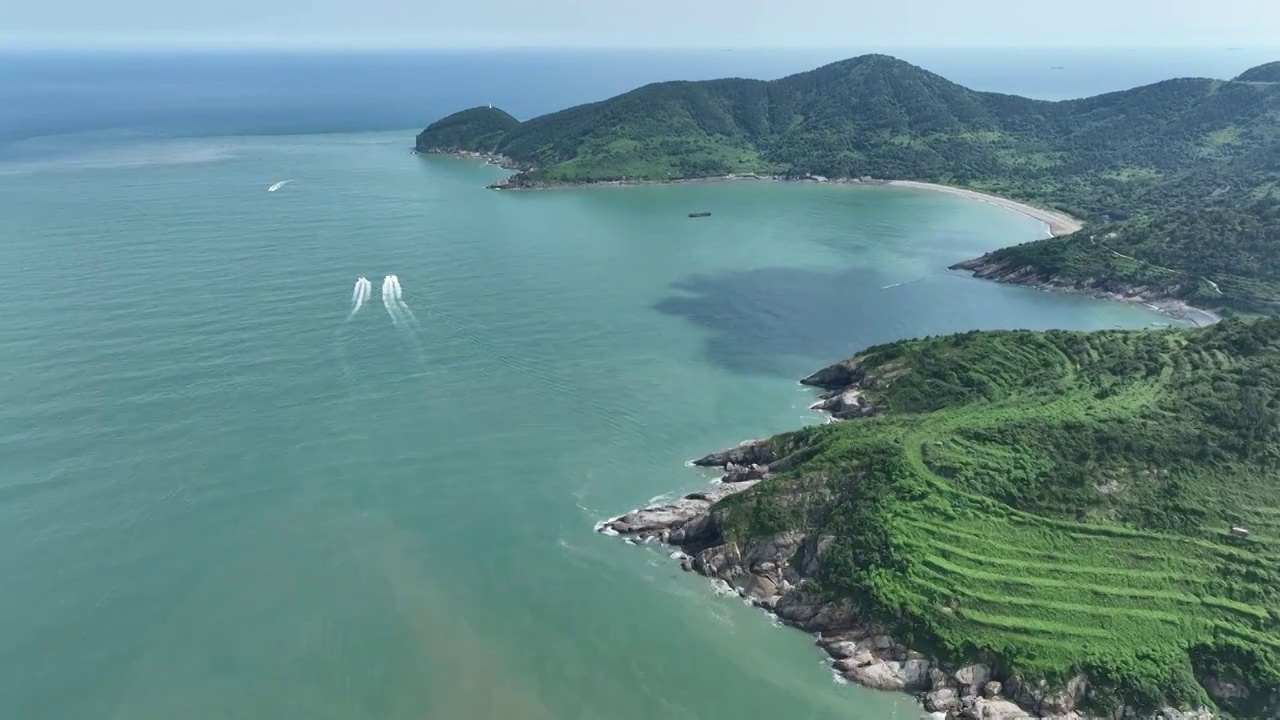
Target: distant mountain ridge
1178 144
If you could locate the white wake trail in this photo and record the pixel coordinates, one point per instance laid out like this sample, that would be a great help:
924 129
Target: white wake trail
405 312
389 300
358 296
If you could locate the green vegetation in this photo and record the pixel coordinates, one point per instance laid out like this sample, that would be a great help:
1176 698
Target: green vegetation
1058 502
1212 257
1263 73
478 129
1189 145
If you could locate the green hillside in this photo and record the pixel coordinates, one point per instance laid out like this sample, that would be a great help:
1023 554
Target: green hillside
1055 503
1188 144
1263 73
477 129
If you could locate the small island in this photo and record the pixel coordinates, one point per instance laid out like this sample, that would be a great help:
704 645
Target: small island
1007 524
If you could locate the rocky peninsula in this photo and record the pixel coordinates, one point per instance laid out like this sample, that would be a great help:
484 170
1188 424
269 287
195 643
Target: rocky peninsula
781 573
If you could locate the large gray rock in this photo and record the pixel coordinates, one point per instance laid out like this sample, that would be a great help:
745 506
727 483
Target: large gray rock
1174 714
698 532
811 555
813 613
1222 690
757 452
839 375
768 554
842 649
760 587
983 709
742 473
1044 699
909 676
942 700
660 517
721 561
973 675
1066 699
845 404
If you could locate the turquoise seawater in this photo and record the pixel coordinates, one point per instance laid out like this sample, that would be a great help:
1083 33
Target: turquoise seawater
225 496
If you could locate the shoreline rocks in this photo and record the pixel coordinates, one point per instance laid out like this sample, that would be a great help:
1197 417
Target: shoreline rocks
987 267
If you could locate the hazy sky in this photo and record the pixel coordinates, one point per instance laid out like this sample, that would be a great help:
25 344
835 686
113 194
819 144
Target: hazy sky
645 23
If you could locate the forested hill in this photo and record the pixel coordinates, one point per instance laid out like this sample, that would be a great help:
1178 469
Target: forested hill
1263 73
1185 144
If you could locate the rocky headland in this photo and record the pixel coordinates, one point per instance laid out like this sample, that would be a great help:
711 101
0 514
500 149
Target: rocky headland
771 573
991 267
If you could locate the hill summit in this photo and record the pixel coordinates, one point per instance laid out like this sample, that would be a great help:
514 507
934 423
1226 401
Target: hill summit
1269 72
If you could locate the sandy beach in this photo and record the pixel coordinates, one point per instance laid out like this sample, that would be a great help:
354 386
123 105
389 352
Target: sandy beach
1059 223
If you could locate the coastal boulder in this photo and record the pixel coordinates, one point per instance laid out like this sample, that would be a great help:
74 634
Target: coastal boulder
909 676
982 709
757 452
1067 698
1040 698
742 473
845 405
842 649
942 700
724 562
840 375
769 553
759 587
973 677
698 533
660 517
812 613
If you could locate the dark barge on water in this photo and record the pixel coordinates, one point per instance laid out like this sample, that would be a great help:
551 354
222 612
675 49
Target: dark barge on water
700 214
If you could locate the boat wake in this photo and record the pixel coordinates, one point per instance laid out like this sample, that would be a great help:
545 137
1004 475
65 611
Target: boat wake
389 301
360 295
397 297
278 185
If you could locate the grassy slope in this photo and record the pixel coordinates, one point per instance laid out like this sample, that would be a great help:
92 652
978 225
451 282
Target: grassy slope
1131 157
1057 502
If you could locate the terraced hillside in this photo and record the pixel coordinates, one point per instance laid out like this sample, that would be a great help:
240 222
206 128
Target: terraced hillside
1056 503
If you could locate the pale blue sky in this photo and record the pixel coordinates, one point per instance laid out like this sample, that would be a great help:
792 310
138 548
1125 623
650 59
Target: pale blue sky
638 23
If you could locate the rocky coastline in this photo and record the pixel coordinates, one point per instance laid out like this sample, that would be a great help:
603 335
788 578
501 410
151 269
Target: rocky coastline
488 158
770 573
989 267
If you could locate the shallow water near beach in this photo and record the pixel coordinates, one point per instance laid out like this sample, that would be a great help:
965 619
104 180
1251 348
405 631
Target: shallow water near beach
226 496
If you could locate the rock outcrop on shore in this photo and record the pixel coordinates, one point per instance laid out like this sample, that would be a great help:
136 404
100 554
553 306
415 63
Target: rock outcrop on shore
991 267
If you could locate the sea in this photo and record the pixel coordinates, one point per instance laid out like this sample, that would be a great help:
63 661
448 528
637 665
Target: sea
238 481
